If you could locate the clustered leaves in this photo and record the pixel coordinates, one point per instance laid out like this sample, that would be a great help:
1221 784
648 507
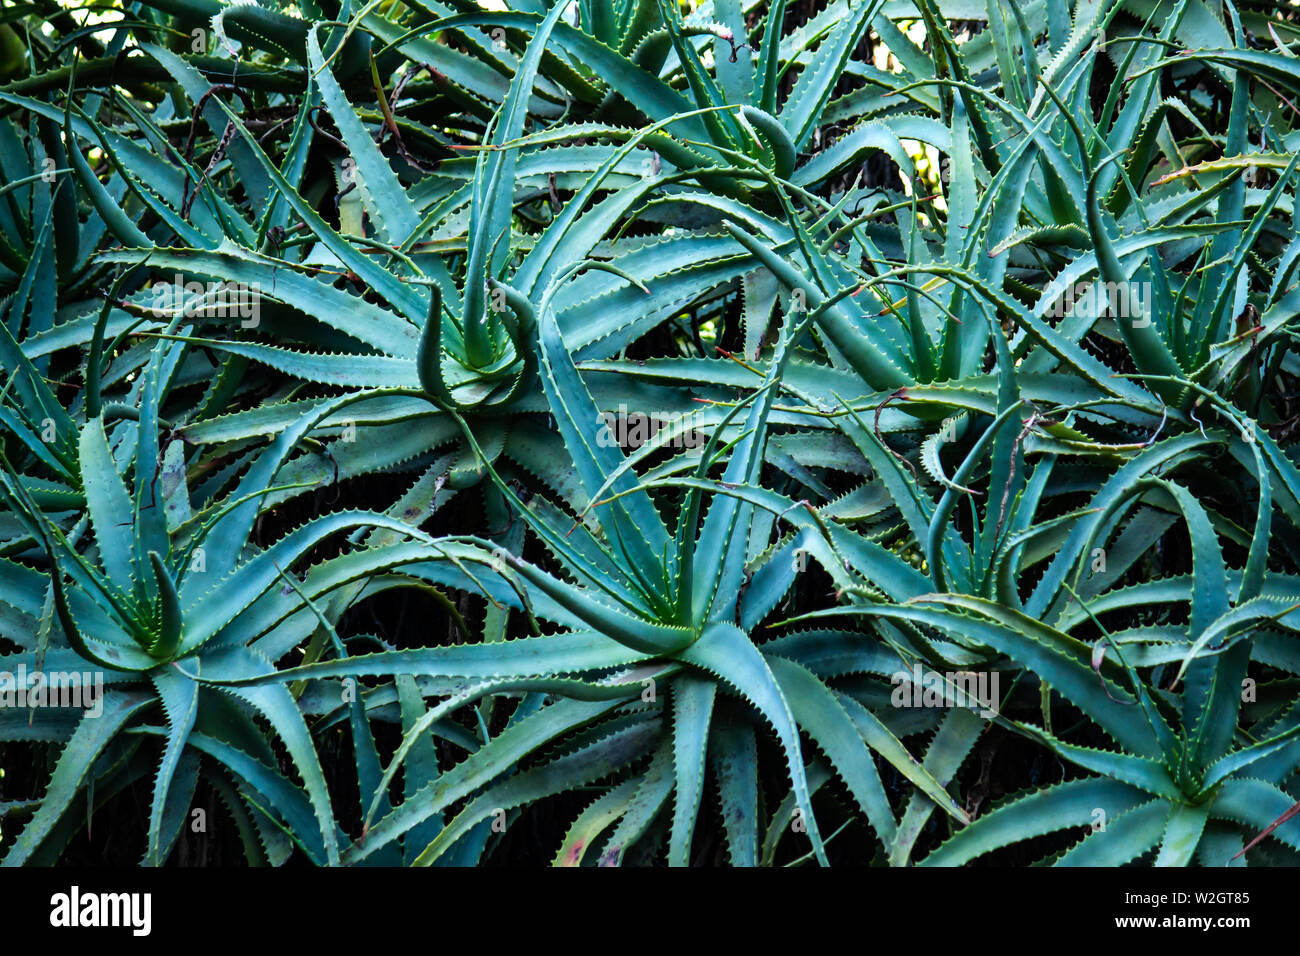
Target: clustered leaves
441 424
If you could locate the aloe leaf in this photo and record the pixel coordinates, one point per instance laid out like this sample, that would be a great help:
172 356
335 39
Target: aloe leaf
1143 773
721 126
1122 839
1115 489
692 700
112 213
723 650
802 109
180 699
1234 763
603 813
390 207
490 213
420 767
271 279
734 759
170 618
1064 662
652 792
596 760
631 516
277 797
109 506
947 751
76 761
818 712
399 294
1072 804
768 75
476 770
1258 805
278 707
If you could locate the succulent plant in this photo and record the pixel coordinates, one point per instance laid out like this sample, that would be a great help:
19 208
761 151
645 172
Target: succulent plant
427 416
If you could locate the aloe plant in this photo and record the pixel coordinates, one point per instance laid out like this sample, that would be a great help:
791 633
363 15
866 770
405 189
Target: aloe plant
965 344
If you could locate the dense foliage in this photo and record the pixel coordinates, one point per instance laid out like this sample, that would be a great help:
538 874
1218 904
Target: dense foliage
586 432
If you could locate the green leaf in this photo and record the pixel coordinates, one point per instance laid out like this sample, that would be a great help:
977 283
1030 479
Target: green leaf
724 651
93 734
